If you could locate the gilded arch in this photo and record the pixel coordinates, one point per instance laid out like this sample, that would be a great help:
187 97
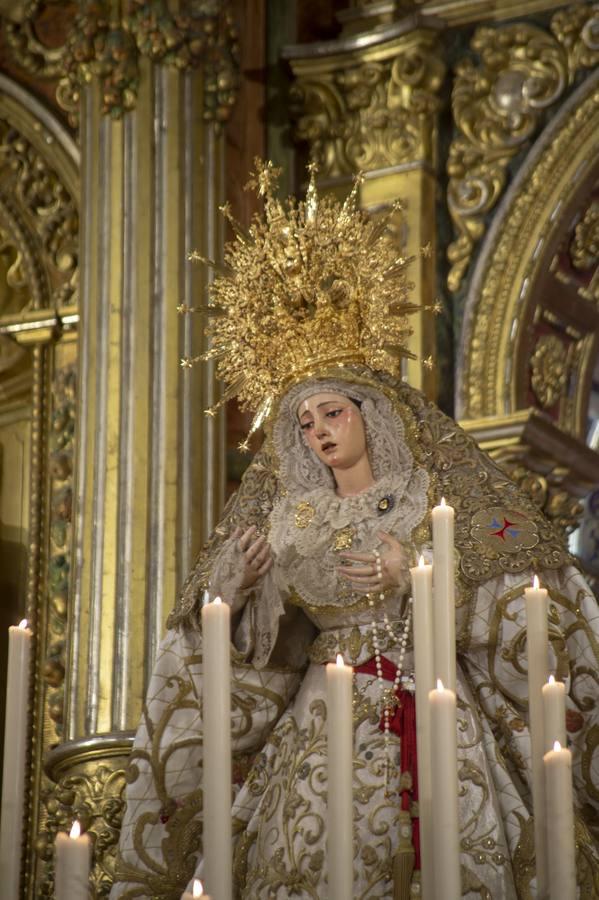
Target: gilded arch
509 305
39 236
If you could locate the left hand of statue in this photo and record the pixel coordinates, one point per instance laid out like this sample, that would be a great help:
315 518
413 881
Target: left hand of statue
363 575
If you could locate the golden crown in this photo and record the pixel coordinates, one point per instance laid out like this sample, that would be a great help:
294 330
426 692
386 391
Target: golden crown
309 285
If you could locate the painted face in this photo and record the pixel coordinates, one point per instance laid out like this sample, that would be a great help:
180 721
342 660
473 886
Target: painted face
333 427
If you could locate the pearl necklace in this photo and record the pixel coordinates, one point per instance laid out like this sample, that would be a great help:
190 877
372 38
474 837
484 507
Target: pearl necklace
377 659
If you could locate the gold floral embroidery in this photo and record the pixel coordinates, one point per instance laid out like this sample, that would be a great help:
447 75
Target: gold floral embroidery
304 513
344 538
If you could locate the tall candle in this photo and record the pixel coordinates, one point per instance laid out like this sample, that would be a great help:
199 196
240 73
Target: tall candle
340 743
445 825
560 823
217 776
554 713
197 891
72 864
443 594
422 582
537 648
15 755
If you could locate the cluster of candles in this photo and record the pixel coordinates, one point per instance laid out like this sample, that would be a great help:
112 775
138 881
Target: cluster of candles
436 722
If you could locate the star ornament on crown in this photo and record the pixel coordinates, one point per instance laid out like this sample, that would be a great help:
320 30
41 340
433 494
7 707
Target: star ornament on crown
310 285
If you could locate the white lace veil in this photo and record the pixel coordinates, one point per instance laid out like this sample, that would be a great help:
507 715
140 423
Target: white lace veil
300 468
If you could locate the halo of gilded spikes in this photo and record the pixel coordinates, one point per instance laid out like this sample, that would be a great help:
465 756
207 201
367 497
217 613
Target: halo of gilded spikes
308 285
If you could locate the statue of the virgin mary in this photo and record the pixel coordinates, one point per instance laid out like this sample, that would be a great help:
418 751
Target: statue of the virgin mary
312 554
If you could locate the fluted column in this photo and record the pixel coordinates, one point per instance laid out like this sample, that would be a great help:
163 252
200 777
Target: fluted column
368 102
150 465
149 468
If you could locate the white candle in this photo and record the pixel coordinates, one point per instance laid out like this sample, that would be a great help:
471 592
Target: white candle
72 865
443 593
422 582
15 755
445 825
537 648
217 776
198 891
340 744
560 823
554 713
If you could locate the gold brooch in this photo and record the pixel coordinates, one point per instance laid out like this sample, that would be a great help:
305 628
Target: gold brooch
304 513
344 538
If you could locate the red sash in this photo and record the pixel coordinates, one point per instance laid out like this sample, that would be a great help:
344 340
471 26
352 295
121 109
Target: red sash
402 722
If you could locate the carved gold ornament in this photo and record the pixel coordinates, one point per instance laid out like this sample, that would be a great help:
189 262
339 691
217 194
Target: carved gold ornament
311 284
25 47
549 369
110 49
93 794
498 106
38 221
514 262
370 115
584 250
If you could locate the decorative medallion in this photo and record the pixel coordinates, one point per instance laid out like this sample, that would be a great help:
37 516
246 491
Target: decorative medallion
549 369
344 538
502 530
584 249
304 513
385 504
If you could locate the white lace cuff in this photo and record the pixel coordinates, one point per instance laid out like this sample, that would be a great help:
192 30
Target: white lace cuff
227 575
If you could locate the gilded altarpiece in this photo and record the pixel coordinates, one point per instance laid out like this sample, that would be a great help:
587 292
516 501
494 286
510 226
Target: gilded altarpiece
102 203
504 140
523 167
39 228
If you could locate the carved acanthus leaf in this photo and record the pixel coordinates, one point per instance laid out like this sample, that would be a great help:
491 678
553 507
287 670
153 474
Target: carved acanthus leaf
41 220
370 115
100 46
498 105
23 41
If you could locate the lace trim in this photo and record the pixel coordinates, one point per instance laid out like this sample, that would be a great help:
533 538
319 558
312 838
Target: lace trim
227 575
302 471
307 553
304 524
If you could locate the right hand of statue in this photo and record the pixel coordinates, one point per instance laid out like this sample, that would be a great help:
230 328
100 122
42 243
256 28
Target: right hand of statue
257 556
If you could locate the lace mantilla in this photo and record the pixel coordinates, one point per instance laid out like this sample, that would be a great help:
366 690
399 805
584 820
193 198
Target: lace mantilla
311 524
300 468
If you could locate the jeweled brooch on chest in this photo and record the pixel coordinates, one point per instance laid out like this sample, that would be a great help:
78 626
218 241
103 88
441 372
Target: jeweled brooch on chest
385 504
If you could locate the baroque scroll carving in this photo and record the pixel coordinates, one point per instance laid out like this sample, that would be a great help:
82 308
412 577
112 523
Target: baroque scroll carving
549 365
584 250
498 105
38 216
93 794
201 35
371 114
24 45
